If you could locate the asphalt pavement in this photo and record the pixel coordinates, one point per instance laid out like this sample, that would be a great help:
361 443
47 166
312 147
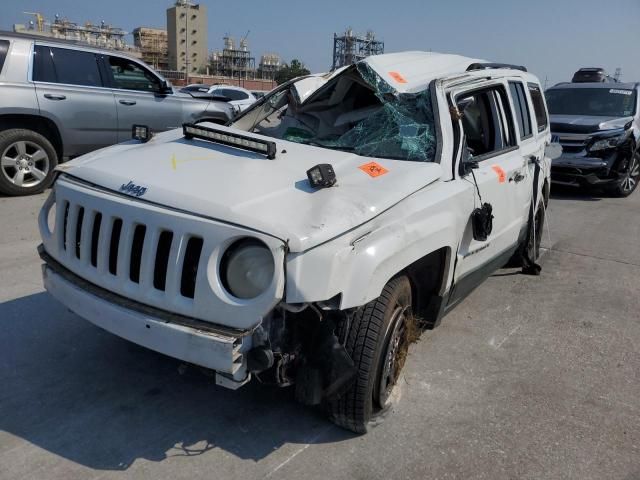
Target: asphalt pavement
528 378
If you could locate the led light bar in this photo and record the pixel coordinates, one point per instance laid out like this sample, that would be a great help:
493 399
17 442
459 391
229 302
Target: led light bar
231 139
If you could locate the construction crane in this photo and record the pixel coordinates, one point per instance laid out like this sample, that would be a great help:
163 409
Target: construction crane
243 41
39 20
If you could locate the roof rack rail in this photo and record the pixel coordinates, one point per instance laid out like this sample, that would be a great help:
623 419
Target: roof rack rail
487 66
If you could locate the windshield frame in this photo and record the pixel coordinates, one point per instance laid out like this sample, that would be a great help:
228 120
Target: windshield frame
607 89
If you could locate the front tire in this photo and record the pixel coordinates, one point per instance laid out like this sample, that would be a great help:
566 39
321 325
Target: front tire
377 340
27 161
630 178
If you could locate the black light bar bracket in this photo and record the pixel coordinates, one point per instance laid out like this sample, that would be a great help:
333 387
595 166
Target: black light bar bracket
231 139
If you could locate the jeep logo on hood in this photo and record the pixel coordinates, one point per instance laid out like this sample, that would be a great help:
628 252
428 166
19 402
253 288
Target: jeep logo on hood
133 189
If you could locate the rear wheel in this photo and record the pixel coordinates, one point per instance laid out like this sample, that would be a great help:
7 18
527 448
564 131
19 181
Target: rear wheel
27 161
630 177
378 341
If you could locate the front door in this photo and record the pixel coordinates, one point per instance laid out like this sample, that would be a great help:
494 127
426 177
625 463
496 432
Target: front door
138 98
501 179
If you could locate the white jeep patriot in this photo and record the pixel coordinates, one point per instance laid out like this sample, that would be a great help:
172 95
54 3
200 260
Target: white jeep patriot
308 241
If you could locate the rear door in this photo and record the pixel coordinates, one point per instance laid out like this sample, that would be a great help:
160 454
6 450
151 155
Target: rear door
71 91
138 98
501 178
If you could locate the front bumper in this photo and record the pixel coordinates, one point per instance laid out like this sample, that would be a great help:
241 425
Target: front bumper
185 339
583 171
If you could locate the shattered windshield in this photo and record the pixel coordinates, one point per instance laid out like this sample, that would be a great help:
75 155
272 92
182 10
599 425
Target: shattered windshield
357 111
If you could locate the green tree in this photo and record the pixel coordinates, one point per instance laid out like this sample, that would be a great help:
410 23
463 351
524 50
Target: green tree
295 69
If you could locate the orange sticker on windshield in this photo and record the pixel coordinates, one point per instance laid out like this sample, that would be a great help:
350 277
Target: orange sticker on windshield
502 176
373 169
397 77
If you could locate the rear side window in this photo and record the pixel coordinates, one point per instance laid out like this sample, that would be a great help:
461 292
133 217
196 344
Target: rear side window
4 48
233 94
60 65
521 106
538 106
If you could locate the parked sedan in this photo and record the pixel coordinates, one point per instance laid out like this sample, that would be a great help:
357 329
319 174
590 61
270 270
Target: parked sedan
239 97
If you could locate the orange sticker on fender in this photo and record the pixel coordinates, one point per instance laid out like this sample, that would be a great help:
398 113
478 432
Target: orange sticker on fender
502 176
397 77
373 169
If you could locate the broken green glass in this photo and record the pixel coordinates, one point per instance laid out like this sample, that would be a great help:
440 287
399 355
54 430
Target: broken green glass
402 128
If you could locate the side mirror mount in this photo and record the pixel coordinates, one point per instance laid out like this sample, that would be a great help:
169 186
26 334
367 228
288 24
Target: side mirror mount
467 162
165 88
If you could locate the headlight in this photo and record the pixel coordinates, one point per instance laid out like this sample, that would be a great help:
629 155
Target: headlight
607 143
247 268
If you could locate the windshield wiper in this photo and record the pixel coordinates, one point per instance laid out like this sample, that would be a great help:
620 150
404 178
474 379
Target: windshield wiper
330 147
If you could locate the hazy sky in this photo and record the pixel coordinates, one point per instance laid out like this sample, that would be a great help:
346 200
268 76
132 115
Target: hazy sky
551 37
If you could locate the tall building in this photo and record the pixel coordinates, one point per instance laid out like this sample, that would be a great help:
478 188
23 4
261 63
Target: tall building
187 37
152 43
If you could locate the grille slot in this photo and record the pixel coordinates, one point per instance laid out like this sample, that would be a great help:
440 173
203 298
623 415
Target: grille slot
136 253
79 231
95 236
64 229
190 267
162 260
113 246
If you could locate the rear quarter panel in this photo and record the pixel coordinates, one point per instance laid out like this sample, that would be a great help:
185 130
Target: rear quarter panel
17 93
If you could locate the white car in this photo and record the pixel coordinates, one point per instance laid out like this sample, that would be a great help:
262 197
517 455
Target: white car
308 242
239 97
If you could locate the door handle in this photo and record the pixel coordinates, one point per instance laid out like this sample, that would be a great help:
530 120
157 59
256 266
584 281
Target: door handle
517 177
533 159
51 96
128 102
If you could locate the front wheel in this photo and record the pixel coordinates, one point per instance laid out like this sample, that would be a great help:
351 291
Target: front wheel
377 340
27 161
630 178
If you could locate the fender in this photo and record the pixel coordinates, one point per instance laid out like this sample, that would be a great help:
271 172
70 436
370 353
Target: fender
359 264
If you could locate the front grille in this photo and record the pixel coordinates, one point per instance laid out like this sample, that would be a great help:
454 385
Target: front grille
157 256
127 244
572 142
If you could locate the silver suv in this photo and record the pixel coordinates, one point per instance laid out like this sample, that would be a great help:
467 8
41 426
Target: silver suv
59 100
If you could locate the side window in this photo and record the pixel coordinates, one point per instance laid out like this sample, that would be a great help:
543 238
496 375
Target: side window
43 70
4 48
60 65
129 75
487 122
538 106
521 106
233 94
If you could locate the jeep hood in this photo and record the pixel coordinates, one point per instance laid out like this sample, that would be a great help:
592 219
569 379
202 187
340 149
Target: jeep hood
246 188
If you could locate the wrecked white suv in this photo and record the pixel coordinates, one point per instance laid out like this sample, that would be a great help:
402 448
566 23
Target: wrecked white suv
307 242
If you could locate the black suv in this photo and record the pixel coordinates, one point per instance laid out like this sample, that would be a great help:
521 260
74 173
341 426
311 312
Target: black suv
598 125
